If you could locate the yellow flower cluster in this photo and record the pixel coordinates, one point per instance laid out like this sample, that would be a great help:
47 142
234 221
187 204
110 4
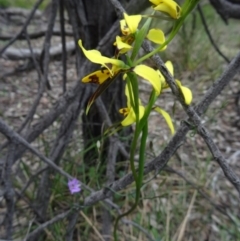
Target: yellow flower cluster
111 67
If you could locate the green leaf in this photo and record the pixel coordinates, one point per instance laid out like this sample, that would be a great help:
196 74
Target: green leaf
139 37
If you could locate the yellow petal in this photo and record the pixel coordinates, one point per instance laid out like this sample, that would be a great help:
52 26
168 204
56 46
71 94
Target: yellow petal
168 6
121 46
167 118
187 93
131 117
124 28
164 84
149 74
96 57
169 66
155 2
132 21
127 93
156 36
97 77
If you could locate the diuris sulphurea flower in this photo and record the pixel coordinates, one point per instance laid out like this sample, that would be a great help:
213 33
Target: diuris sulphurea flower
169 7
130 116
113 66
129 24
128 112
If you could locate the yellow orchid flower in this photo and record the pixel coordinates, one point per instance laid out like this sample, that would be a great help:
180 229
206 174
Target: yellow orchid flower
128 112
122 46
129 24
169 7
130 116
187 93
113 65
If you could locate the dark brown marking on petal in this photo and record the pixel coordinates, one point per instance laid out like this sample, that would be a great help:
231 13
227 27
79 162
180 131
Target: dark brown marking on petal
102 70
93 79
105 71
130 39
124 111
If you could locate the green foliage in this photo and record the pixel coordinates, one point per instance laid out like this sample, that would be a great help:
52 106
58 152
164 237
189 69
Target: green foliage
22 3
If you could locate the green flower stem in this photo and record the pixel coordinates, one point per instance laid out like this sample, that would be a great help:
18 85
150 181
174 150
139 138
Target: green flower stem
138 180
141 160
141 127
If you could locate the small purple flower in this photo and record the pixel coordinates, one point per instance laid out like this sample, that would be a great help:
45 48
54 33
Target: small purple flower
74 186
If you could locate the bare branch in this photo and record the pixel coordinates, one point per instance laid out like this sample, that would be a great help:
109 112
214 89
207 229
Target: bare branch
47 224
19 11
5 179
16 138
63 38
226 9
36 35
37 4
209 34
25 53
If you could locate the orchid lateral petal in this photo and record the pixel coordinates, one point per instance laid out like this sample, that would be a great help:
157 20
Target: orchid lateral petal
97 77
169 66
167 6
149 74
164 84
127 93
167 118
156 36
132 21
187 93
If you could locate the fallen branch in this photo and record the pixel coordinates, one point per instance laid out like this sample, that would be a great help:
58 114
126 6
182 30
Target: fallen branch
25 53
226 9
24 27
19 11
35 35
